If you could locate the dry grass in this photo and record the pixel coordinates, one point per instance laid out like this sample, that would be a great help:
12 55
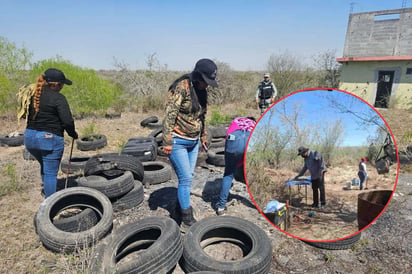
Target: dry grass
338 219
22 252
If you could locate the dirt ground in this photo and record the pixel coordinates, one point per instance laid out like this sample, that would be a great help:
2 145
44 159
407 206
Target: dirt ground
339 217
385 246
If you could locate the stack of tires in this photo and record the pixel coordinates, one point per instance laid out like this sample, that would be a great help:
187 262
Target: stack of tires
216 153
216 136
75 165
119 177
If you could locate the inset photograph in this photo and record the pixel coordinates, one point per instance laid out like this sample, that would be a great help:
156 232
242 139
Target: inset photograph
321 164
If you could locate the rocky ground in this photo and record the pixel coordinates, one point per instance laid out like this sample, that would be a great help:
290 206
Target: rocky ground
384 247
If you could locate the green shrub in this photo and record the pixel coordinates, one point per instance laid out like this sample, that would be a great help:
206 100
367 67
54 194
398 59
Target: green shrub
219 118
89 93
88 129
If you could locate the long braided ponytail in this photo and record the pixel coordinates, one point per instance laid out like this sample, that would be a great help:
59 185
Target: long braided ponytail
36 100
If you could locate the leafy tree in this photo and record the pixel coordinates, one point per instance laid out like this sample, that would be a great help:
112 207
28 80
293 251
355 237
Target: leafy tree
89 94
13 64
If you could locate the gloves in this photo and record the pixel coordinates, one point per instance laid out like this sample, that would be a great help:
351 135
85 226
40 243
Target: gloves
75 135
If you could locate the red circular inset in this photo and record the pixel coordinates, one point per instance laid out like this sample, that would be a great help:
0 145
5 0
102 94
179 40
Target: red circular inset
340 127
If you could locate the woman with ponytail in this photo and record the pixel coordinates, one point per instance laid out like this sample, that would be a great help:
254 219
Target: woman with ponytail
184 128
48 117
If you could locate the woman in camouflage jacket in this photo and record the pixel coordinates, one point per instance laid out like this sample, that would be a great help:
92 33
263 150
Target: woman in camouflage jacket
184 128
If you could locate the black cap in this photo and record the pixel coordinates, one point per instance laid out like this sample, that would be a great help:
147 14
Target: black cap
55 75
208 69
302 150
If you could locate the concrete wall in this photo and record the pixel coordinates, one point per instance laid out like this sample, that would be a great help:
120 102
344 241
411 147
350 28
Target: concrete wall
366 36
360 78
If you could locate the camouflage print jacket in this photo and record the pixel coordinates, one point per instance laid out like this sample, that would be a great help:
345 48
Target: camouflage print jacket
180 120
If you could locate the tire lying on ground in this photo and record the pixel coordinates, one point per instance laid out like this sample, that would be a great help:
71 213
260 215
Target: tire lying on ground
150 245
216 157
111 186
12 140
27 155
156 172
255 245
346 243
151 122
80 221
113 161
148 120
58 240
131 199
76 164
91 142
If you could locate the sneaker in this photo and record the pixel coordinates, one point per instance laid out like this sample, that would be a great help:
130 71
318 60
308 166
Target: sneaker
221 211
314 205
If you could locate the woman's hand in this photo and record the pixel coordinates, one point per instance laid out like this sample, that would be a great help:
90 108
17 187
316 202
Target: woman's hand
205 146
167 150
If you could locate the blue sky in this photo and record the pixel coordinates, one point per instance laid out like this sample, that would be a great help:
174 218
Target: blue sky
316 108
243 34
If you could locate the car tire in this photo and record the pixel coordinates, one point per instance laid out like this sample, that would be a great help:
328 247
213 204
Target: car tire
255 244
62 241
111 186
157 240
156 172
91 142
113 161
346 243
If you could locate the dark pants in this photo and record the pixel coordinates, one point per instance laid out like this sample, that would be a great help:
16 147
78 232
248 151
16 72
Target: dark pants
318 186
362 178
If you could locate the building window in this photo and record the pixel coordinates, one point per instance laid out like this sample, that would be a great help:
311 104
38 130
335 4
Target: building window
409 71
385 17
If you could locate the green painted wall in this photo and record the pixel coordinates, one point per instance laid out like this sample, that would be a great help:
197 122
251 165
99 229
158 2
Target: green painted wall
360 79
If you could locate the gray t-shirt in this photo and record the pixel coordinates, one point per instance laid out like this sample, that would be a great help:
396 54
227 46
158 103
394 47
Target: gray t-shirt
314 162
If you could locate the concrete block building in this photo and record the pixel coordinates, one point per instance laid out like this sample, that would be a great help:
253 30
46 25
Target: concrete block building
377 58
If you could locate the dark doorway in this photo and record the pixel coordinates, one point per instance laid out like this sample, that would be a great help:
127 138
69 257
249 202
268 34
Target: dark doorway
383 92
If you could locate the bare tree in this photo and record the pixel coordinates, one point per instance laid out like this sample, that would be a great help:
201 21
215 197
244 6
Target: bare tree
329 68
330 139
289 74
270 141
144 89
363 116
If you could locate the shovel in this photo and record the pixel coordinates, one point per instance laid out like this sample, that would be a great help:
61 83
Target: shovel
68 166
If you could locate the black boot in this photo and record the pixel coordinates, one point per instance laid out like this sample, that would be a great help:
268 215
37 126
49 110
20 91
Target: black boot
187 218
176 213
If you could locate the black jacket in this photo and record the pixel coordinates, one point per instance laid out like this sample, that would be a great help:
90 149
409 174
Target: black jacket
54 114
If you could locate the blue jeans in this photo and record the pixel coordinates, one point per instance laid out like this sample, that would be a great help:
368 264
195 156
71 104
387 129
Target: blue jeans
234 152
48 149
183 158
